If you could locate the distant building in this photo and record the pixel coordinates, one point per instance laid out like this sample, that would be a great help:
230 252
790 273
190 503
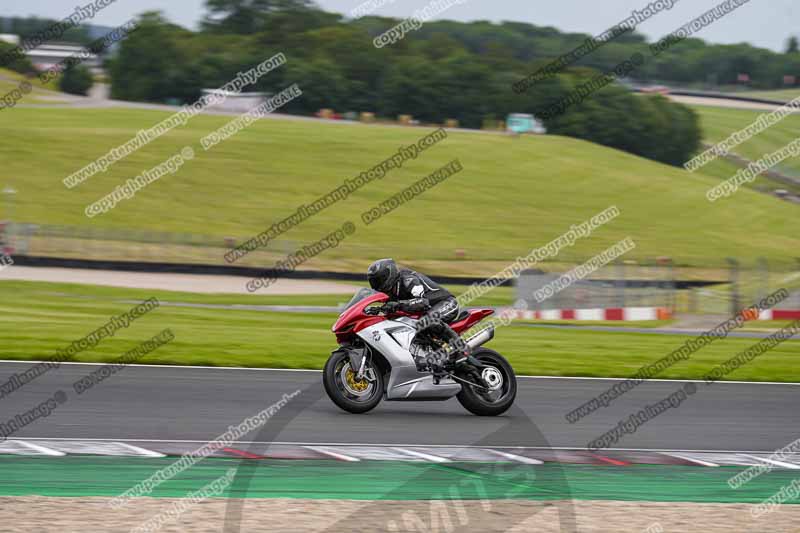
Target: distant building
48 55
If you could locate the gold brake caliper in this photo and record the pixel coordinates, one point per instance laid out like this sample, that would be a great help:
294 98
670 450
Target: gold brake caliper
359 386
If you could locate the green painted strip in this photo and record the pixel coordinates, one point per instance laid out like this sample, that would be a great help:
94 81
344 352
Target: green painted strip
77 476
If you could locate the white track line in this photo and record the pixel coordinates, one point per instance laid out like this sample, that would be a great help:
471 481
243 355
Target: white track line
773 462
698 461
401 445
335 455
323 448
582 378
141 451
515 458
41 449
420 455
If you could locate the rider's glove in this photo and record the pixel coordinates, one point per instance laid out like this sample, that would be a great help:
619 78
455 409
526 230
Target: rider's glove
390 307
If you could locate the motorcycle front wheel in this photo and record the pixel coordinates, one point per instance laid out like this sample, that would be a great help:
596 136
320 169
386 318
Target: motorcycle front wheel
502 381
346 391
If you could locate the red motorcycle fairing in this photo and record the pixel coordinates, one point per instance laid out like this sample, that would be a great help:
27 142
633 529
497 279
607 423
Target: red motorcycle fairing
473 317
353 319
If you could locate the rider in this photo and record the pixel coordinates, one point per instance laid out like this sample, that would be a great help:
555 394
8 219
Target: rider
413 292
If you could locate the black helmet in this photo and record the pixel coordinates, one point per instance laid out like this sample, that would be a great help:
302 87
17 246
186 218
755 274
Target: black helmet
382 274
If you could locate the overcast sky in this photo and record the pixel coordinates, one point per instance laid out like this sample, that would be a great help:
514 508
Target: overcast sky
766 23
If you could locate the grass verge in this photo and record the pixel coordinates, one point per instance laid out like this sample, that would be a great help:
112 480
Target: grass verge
37 319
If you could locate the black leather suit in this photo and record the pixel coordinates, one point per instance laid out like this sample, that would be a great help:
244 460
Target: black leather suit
417 293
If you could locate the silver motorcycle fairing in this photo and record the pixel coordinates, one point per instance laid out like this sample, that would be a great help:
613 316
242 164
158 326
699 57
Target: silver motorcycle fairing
392 338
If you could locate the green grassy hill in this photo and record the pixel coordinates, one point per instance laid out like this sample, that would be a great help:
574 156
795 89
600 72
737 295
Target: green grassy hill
10 80
513 194
719 122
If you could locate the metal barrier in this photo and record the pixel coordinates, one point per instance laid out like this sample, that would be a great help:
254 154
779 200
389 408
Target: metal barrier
721 289
735 286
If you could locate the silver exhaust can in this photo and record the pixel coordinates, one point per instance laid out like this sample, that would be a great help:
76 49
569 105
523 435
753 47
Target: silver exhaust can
480 338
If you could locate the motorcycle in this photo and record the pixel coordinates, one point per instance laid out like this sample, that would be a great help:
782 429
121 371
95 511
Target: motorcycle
381 357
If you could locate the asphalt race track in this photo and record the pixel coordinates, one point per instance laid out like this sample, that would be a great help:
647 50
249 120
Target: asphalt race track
198 404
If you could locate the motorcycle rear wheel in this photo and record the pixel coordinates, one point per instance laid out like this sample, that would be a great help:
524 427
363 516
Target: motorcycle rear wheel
501 375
